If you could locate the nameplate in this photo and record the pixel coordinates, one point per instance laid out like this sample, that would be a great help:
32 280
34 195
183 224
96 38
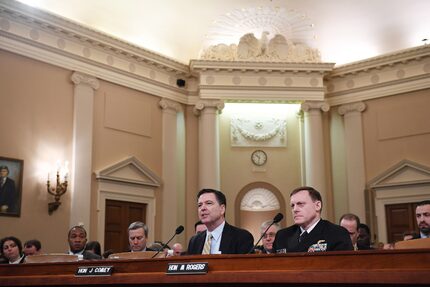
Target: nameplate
94 271
187 268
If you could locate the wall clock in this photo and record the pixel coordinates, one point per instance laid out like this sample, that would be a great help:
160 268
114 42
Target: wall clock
259 157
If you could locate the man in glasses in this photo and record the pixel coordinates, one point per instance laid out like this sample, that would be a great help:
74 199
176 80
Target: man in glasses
268 239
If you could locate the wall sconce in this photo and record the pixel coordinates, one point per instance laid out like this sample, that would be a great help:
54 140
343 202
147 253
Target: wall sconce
57 191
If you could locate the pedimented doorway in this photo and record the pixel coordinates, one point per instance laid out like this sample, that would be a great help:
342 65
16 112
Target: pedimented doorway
127 187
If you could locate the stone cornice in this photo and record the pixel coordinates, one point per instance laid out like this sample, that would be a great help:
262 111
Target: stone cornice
379 62
264 81
197 66
73 30
55 40
401 72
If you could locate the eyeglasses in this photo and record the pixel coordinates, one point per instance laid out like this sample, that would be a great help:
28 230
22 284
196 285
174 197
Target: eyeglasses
269 235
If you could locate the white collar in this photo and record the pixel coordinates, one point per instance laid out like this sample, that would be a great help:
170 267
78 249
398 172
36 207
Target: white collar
310 228
217 232
17 261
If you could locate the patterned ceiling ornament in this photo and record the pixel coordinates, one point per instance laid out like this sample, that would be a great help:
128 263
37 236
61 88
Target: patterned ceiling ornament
285 36
249 131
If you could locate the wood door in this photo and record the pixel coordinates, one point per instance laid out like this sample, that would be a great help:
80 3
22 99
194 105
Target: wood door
119 215
400 219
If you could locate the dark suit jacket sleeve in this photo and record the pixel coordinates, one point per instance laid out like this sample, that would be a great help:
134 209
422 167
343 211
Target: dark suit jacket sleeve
341 239
8 195
195 245
236 240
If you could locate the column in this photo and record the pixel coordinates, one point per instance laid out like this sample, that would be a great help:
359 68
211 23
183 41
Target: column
209 166
170 172
85 86
355 169
314 148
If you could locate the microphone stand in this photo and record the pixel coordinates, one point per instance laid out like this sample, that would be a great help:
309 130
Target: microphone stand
277 218
165 244
264 234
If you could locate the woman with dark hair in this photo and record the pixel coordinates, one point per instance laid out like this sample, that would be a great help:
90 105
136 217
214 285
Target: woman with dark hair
94 247
12 250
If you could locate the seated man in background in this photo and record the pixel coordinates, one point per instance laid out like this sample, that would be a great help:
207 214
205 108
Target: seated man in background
351 222
220 237
199 227
175 251
32 247
310 233
77 239
422 213
364 237
267 246
137 236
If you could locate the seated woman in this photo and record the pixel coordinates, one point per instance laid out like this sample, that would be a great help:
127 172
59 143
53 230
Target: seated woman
12 250
94 247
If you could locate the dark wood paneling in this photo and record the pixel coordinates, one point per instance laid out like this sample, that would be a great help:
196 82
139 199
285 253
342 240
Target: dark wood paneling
400 219
119 215
349 268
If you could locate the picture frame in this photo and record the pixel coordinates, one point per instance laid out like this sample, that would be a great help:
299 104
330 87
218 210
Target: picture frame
11 174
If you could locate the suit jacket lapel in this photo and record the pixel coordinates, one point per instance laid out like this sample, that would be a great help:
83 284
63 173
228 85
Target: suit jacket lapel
312 237
225 239
293 241
200 241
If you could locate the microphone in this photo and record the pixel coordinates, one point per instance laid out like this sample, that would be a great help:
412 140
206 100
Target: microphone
178 230
278 217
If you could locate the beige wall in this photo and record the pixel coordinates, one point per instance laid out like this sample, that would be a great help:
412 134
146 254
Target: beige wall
36 104
396 128
282 170
126 123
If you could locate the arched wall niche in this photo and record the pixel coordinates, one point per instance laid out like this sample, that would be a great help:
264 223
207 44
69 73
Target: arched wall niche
251 209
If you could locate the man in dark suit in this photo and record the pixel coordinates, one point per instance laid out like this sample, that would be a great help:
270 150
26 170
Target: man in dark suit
422 213
77 239
310 233
220 237
351 223
137 236
8 195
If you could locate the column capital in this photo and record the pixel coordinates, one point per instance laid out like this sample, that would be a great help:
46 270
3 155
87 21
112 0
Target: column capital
315 105
170 105
218 105
353 107
84 79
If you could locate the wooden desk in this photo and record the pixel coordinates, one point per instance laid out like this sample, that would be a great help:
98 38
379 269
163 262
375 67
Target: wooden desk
362 268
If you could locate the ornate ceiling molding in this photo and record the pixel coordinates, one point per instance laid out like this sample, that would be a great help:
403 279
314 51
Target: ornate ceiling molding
43 36
401 72
261 81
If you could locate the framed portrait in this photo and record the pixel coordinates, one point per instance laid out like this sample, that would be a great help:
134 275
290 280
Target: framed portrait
11 172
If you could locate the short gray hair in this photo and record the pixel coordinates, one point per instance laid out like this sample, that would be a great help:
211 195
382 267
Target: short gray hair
265 224
138 224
